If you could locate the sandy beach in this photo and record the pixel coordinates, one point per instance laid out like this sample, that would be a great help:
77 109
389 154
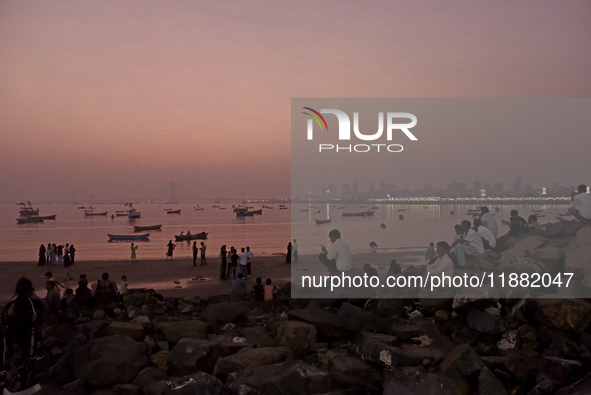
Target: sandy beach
161 275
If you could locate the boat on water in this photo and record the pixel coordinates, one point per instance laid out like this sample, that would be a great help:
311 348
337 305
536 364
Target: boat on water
82 207
198 209
540 215
93 214
221 208
123 214
173 212
215 206
134 214
305 210
537 211
46 216
375 208
282 208
29 220
196 236
322 221
360 214
129 237
401 209
244 213
27 210
257 211
149 227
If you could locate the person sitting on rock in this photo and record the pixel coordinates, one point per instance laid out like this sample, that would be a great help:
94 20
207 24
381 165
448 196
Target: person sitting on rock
269 290
489 221
580 206
238 287
488 238
106 290
535 228
469 243
443 263
258 290
370 271
517 225
339 257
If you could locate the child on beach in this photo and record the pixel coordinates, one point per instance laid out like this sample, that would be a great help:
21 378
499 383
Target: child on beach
268 290
49 277
123 287
258 290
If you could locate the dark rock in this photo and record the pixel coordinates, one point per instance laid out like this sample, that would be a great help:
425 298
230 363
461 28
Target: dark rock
197 383
252 357
425 384
149 376
177 330
569 315
127 389
488 384
296 334
299 378
227 311
193 355
352 318
461 362
258 335
76 387
108 361
563 370
320 318
581 387
551 257
351 373
135 331
484 322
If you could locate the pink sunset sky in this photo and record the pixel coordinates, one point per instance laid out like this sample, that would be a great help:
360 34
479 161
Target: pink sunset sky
118 98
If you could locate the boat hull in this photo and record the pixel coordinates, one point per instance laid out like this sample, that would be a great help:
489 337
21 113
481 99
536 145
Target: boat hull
129 237
173 212
151 227
322 221
196 236
95 214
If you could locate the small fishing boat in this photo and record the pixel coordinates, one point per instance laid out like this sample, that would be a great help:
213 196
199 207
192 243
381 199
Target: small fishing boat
322 221
149 227
120 211
47 216
123 214
305 210
28 210
269 207
93 214
375 208
196 236
257 211
215 206
134 214
340 208
173 211
401 209
243 213
129 237
283 208
222 208
82 207
360 214
198 209
29 220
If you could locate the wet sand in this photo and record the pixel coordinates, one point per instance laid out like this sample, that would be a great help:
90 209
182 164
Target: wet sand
160 275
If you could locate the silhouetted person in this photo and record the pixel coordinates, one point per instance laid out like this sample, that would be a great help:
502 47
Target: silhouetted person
42 255
288 256
170 246
581 204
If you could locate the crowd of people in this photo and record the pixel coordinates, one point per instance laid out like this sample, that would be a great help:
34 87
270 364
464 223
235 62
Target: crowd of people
58 255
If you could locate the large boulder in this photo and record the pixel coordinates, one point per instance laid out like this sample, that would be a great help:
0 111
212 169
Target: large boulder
108 361
227 311
321 318
177 330
299 378
352 373
197 383
551 257
461 362
569 315
135 331
581 387
296 334
353 318
578 252
252 357
193 355
486 323
522 247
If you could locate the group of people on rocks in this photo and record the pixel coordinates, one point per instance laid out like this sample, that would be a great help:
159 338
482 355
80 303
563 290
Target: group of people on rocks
259 291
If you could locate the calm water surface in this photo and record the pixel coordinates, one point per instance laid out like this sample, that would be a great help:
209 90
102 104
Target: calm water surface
266 234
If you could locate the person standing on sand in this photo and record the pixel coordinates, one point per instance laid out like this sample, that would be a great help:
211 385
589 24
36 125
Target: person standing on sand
288 256
60 254
21 323
41 255
195 251
72 253
223 262
294 248
67 265
48 254
170 250
203 262
243 257
133 249
249 256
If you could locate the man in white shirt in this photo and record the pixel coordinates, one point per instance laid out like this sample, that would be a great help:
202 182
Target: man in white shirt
443 264
488 239
339 257
580 206
489 221
243 259
469 243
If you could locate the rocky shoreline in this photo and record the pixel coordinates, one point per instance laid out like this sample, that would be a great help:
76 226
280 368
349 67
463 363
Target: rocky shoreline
152 345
